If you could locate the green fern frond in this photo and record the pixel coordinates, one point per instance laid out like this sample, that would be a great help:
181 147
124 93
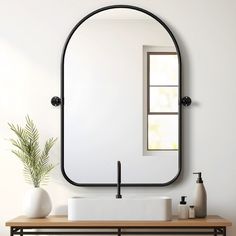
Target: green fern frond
36 162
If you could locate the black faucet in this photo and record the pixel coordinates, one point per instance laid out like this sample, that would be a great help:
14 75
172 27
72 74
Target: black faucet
118 195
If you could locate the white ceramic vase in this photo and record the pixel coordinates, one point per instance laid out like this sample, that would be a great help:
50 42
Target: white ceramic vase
37 203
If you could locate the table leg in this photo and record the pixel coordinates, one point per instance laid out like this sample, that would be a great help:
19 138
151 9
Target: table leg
11 231
119 232
220 231
224 231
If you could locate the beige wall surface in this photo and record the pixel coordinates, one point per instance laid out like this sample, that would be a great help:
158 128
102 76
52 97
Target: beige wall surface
32 34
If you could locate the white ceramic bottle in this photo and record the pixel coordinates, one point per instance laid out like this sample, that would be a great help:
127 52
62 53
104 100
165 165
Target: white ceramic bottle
183 209
191 212
200 199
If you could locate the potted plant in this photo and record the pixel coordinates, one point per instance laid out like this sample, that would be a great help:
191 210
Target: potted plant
37 167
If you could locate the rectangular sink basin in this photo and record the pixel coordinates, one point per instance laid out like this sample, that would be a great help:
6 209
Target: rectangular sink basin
143 208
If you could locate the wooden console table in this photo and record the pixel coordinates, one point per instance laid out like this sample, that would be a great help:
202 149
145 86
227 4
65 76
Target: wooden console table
59 225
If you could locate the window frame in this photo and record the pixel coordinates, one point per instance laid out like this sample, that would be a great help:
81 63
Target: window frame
147 100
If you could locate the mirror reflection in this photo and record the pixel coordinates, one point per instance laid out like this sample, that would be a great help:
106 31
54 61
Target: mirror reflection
121 90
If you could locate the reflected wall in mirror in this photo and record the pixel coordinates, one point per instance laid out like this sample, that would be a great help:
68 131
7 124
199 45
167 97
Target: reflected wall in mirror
121 87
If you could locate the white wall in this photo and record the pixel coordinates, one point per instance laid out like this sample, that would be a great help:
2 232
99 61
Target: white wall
31 40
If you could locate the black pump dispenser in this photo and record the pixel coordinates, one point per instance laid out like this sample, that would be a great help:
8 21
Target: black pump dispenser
199 179
183 201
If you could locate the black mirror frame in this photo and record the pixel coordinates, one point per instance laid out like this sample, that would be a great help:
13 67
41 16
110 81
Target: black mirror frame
62 100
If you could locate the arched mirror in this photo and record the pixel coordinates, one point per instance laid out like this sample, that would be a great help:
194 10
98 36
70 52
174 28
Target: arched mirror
121 88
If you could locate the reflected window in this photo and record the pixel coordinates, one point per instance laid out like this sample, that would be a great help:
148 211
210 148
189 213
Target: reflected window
162 101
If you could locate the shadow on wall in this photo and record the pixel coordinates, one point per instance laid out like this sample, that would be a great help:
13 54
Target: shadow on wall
61 210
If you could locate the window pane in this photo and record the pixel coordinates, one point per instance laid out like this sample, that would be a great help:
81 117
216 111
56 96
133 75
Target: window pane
163 69
162 132
163 99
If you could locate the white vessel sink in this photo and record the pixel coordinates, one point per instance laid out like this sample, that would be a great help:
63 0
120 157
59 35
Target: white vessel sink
146 208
